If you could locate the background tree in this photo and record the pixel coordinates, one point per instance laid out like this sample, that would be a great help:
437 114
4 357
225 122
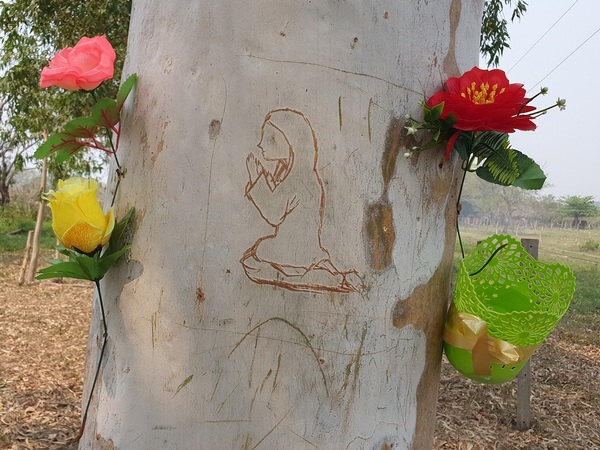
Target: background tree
31 32
494 31
579 207
11 157
546 209
501 204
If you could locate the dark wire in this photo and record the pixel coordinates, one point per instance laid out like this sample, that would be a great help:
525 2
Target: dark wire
542 37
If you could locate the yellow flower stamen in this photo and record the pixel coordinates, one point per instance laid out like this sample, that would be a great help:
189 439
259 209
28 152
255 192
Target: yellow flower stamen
483 95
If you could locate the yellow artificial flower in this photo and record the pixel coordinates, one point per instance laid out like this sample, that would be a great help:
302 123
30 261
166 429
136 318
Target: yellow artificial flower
77 218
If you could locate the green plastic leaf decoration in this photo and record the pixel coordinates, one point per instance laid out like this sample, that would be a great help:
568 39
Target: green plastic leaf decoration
63 269
67 149
119 231
63 143
69 141
125 90
500 167
81 127
531 176
107 260
433 114
106 113
463 146
46 148
489 142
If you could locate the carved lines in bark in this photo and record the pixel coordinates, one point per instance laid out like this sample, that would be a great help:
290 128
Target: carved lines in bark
285 187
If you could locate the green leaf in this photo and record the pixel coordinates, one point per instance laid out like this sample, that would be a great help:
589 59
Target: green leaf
125 90
108 259
63 250
46 148
488 143
463 146
64 143
500 167
19 162
106 113
430 115
67 150
531 176
65 269
81 127
118 231
90 266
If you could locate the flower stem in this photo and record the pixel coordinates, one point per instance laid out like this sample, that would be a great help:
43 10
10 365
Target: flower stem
489 260
116 187
98 366
109 136
115 155
542 111
466 167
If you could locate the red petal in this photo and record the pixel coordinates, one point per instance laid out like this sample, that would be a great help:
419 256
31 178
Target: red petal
451 143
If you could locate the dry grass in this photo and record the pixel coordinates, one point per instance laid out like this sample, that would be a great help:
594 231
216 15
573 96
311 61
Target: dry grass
43 333
564 406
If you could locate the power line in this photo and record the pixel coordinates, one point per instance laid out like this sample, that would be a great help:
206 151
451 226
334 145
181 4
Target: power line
542 36
568 56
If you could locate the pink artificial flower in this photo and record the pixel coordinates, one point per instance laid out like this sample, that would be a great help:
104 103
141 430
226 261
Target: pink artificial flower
84 66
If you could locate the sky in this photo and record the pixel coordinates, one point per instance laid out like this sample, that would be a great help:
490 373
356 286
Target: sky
564 144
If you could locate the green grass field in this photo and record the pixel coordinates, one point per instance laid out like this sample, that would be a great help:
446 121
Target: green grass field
12 219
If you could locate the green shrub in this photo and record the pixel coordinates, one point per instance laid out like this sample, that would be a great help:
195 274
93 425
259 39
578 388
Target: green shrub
590 245
17 218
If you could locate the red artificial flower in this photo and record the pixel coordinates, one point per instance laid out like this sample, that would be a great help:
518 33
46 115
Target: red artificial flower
84 66
484 100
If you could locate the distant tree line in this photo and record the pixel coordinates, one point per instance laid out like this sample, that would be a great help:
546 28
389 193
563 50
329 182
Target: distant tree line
505 207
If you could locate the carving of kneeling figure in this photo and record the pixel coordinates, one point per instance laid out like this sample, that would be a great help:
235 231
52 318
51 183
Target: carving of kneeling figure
286 189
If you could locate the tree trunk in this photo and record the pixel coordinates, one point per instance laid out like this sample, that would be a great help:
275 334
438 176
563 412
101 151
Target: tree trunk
290 270
39 222
4 191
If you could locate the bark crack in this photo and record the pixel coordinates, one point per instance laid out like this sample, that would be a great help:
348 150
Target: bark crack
336 69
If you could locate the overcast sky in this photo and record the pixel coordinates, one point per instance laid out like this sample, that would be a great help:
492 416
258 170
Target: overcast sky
566 143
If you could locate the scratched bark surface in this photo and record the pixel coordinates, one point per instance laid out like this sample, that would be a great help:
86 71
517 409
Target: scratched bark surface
290 269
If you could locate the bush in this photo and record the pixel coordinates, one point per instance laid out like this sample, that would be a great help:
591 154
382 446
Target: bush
17 217
590 245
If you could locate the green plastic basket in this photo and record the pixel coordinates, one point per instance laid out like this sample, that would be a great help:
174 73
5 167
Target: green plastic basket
511 300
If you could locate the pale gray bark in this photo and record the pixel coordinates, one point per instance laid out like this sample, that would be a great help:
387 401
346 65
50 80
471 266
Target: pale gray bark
290 269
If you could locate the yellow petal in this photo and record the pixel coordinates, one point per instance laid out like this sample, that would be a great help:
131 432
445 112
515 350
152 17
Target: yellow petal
64 216
110 217
89 209
82 236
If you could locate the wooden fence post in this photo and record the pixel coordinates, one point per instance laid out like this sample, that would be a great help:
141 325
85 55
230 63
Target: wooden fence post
524 377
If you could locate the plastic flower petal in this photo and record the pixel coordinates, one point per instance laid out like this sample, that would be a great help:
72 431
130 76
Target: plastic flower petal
484 100
77 218
84 66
